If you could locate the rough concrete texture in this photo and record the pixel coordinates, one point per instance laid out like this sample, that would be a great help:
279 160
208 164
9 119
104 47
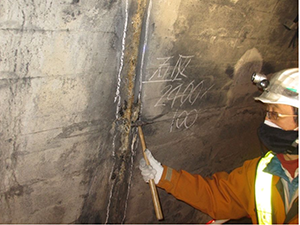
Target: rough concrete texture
58 76
68 72
196 87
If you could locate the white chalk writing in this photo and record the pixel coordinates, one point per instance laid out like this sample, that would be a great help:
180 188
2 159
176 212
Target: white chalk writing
180 92
165 72
184 119
190 94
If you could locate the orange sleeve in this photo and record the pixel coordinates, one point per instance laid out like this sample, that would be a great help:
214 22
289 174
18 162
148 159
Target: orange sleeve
223 196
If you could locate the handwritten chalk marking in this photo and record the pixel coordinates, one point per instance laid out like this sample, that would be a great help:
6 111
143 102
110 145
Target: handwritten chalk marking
191 93
178 92
184 120
164 72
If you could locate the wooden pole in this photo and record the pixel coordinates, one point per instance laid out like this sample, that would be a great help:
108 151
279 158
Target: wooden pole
153 189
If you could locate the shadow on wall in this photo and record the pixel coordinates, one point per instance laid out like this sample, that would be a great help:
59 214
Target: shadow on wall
241 88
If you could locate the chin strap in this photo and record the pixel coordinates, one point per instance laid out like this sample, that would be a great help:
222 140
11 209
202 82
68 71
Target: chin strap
293 150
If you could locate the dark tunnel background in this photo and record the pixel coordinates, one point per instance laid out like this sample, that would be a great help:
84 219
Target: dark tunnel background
71 75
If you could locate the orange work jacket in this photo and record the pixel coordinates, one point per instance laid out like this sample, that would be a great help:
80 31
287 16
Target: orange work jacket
226 195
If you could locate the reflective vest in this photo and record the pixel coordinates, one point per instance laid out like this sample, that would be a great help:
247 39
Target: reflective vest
263 190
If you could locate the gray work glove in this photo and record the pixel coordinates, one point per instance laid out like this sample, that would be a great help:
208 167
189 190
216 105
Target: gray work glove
153 171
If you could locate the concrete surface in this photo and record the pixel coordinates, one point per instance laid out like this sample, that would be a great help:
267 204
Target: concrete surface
69 70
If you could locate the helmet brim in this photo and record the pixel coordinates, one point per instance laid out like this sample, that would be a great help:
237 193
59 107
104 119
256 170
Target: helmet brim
281 100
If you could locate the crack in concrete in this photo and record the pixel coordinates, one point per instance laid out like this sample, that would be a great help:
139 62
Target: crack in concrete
123 156
118 100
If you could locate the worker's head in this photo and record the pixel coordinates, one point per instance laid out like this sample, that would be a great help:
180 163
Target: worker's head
281 97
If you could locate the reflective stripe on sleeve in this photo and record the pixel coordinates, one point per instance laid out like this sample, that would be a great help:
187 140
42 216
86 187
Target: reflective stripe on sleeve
263 190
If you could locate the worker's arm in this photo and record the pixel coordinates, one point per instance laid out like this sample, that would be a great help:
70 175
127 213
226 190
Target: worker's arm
221 196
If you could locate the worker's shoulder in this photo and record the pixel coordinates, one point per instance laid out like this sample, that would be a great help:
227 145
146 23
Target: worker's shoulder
251 164
248 168
254 160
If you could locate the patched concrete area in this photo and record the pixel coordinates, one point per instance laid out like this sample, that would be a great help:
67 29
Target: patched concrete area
72 71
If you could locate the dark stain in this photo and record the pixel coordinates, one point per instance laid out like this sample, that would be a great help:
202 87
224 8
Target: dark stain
69 130
229 71
89 215
70 15
150 130
267 68
123 108
75 1
108 4
113 176
97 218
17 190
153 27
244 36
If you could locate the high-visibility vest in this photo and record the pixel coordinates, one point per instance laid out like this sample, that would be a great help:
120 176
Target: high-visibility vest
263 190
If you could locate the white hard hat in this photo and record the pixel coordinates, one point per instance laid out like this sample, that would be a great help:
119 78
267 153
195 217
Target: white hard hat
283 89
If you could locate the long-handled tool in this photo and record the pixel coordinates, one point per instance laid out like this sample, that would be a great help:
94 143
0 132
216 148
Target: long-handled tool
153 189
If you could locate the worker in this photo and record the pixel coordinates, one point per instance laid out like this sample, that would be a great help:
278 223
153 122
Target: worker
265 188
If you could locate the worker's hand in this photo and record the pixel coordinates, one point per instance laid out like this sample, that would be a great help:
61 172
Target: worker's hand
152 171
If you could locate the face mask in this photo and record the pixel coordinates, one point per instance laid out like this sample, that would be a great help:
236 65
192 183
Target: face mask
278 140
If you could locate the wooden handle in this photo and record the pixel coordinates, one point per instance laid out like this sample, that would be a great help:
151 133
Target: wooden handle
153 189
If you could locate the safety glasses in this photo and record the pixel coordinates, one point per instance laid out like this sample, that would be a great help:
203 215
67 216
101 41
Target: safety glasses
276 115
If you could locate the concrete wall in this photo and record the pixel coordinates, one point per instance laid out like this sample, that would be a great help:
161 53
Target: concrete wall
70 72
58 81
196 88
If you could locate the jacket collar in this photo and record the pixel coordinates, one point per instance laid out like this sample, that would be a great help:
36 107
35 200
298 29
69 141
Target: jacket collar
275 168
